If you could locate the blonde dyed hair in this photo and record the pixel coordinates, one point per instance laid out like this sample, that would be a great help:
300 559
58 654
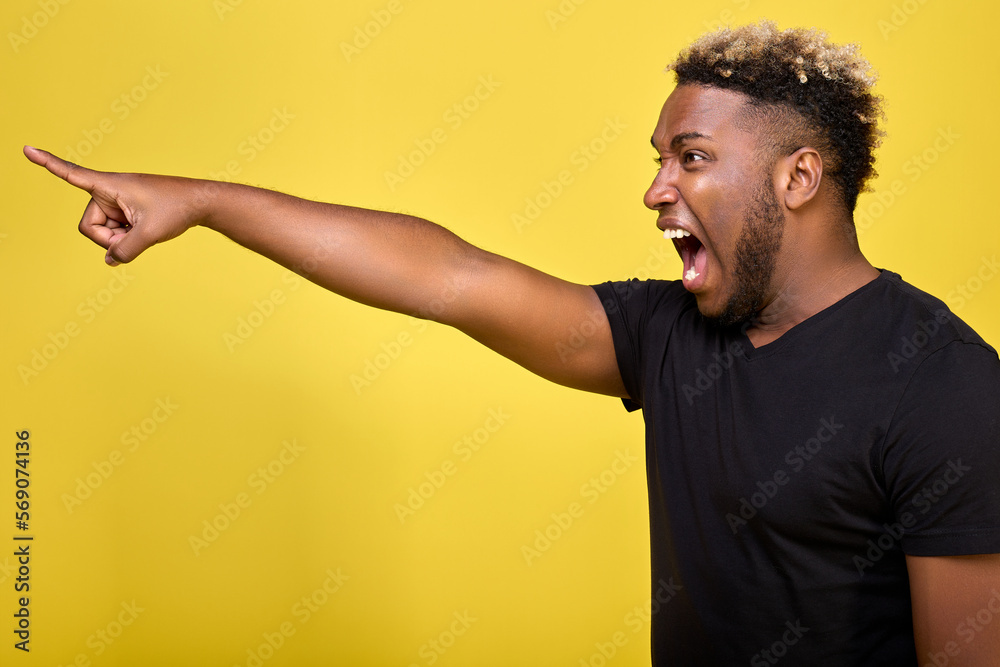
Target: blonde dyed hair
829 89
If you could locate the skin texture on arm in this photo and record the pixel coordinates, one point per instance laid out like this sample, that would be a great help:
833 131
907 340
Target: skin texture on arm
386 260
956 609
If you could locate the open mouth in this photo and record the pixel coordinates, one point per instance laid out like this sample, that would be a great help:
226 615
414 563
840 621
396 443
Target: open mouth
692 253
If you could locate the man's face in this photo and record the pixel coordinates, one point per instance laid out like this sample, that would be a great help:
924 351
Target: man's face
711 186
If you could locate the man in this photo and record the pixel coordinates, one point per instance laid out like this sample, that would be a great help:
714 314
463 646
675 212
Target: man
821 437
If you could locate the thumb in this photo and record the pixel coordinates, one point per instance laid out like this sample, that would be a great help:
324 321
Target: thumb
126 245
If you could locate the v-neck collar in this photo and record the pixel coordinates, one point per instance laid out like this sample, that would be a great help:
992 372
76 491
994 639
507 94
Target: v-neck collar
802 328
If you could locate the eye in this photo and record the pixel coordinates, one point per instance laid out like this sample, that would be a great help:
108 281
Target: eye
659 161
691 156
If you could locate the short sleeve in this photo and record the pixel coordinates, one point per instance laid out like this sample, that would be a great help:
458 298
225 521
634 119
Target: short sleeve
630 306
941 458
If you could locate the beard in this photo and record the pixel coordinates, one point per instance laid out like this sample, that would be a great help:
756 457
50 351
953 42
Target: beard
755 257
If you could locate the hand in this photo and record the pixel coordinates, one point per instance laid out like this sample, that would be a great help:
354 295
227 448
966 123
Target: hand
127 213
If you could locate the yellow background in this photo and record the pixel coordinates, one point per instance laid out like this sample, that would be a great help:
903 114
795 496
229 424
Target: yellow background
161 334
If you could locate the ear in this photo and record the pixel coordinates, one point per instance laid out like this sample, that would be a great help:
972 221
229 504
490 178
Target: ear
799 176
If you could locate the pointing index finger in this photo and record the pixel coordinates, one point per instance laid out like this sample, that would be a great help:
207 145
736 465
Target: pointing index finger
73 174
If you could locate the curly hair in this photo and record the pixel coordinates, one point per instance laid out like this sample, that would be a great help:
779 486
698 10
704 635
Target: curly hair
828 87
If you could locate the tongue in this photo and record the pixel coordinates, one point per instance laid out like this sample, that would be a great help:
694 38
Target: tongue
695 259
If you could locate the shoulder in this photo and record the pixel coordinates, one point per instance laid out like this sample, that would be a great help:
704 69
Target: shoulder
921 326
637 293
939 455
643 314
633 305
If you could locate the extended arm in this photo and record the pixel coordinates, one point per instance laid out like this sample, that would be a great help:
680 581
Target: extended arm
387 260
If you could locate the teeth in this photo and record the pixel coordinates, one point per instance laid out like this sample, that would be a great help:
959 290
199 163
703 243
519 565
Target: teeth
691 274
675 233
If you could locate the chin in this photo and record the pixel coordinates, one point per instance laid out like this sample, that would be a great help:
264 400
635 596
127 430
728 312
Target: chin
710 311
725 316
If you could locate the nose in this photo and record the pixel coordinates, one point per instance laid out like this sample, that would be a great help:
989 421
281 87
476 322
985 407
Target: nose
663 190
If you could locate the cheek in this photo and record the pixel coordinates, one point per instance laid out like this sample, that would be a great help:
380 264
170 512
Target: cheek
719 211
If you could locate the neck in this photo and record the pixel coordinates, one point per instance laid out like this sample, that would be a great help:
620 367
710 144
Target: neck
818 280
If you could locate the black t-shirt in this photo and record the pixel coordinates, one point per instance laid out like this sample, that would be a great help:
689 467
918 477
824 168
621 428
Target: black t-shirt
787 482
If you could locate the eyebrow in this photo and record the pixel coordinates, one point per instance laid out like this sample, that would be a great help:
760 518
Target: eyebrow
681 138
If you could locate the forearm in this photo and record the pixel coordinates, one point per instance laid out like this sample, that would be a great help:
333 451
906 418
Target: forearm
387 260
